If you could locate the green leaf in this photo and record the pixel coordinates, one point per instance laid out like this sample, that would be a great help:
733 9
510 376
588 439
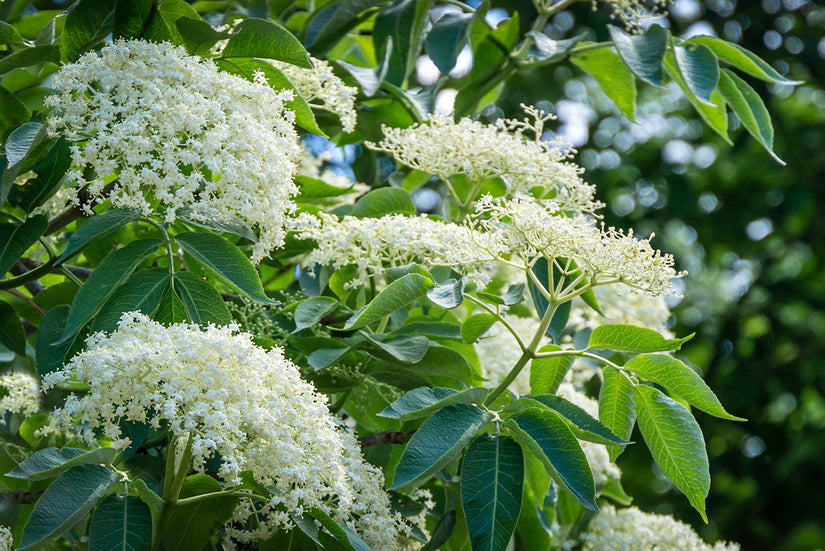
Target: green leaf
325 357
676 443
17 238
617 407
12 112
421 402
406 348
681 380
104 281
51 462
630 338
449 294
437 329
131 17
142 292
341 535
312 311
87 23
642 53
583 425
30 56
612 75
384 201
12 335
546 374
198 35
713 113
66 502
335 20
226 260
547 436
396 295
404 22
9 35
202 301
547 50
370 79
613 489
447 38
514 294
49 357
268 40
192 525
699 68
744 60
442 531
492 483
163 25
171 308
439 440
475 326
96 226
750 109
121 523
24 146
50 172
558 322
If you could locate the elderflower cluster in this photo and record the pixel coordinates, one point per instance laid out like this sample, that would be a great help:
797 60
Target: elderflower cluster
630 12
320 84
232 399
6 539
631 529
480 152
168 131
604 255
22 394
622 306
373 244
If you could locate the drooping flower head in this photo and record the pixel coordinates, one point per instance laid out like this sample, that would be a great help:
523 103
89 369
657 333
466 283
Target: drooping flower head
235 400
22 394
173 133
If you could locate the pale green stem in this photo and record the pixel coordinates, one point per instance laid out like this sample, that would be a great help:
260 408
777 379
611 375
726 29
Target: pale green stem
501 318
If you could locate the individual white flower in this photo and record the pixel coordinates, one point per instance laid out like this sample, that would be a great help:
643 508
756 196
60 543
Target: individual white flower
22 394
374 244
484 151
233 399
319 84
621 305
6 539
170 132
604 255
631 529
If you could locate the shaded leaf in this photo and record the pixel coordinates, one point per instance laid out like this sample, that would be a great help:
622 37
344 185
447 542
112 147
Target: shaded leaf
423 401
202 301
699 69
617 407
121 523
643 53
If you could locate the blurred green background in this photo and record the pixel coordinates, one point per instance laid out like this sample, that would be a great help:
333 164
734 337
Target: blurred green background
750 232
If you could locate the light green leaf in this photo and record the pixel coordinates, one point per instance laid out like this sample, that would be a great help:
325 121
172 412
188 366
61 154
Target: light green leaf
676 443
12 335
630 338
396 295
406 348
439 440
447 38
546 374
142 292
750 109
584 426
96 226
121 523
474 326
744 60
225 260
681 380
17 238
421 402
30 56
66 502
548 437
202 301
266 39
383 201
492 483
643 53
51 462
449 294
713 112
612 75
104 280
23 148
312 310
617 407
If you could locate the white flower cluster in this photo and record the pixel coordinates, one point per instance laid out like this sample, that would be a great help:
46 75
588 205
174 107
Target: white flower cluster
176 133
603 255
320 84
234 400
623 306
479 151
631 529
373 244
6 539
629 12
22 394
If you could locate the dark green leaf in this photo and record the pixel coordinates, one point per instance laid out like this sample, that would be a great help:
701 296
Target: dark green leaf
141 293
699 69
447 38
12 113
104 280
514 294
192 525
541 269
475 326
24 146
312 311
547 50
547 436
341 535
171 308
370 79
558 322
50 172
51 462
713 113
612 75
404 22
676 443
202 301
406 348
226 260
742 59
643 53
617 407
397 294
268 40
439 440
9 35
325 357
131 16
121 523
12 335
492 483
87 23
584 426
630 338
49 357
335 20
681 380
750 109
438 329
442 531
198 35
546 374
96 226
163 25
66 502
449 294
30 56
17 238
384 201
423 401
